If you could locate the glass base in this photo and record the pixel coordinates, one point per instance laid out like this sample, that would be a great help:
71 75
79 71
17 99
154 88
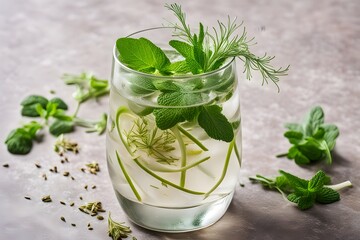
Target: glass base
175 220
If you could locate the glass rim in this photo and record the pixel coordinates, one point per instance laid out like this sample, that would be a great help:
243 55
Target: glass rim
167 76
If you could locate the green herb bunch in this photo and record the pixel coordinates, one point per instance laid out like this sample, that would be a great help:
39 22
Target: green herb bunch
202 52
52 113
311 140
303 192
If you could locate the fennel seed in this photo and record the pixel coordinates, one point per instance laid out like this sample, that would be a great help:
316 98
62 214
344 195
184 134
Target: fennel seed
90 228
73 224
37 165
44 176
66 174
63 203
72 204
93 187
86 187
6 165
27 198
63 219
46 198
100 217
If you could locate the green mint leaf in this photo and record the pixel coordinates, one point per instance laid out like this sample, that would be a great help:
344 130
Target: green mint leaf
306 201
314 120
29 105
294 137
141 84
294 127
327 195
168 117
215 123
141 54
34 100
18 143
292 197
295 181
185 49
331 133
194 66
59 127
60 103
167 86
30 111
317 181
180 67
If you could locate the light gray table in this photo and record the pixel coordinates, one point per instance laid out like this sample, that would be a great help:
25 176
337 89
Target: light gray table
40 40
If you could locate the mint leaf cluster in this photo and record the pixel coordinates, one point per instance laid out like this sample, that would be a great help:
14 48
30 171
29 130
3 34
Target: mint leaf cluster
304 193
52 114
312 140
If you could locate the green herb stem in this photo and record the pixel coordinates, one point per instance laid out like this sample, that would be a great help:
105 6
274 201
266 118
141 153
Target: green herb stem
340 186
120 111
76 110
192 138
237 153
136 193
182 146
166 181
227 160
281 155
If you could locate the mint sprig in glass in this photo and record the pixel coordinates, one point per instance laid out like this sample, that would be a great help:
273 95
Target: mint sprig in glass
174 132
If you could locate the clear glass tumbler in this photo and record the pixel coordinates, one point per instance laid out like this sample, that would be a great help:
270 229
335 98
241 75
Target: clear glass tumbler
178 179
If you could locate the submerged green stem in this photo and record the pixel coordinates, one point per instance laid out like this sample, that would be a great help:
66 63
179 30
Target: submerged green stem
166 181
227 160
120 111
128 179
192 138
164 169
237 153
182 146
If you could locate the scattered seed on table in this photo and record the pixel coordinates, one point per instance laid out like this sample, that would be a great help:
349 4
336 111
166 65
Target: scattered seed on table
66 159
81 198
63 203
86 187
72 204
100 217
89 225
55 169
46 198
63 219
82 169
93 187
66 174
90 228
37 165
62 161
73 224
6 165
72 178
44 176
28 198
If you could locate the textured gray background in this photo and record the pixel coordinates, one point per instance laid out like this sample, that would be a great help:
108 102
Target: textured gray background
40 40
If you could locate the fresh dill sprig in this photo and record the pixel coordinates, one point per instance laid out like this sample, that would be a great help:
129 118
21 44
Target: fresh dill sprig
222 44
155 143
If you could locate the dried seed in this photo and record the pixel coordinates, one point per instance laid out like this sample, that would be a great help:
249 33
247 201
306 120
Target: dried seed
66 159
37 165
93 187
44 176
72 204
62 161
51 170
86 187
66 174
81 198
82 169
93 214
55 169
46 198
61 154
100 217
63 203
6 165
28 198
72 178
90 228
73 224
88 225
63 219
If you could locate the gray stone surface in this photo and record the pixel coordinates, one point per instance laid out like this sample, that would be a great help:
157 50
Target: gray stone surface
40 40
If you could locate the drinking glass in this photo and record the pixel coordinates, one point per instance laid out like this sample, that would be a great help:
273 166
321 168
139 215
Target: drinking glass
176 179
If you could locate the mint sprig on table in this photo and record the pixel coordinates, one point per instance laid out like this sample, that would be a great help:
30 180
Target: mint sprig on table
312 140
304 193
52 113
202 52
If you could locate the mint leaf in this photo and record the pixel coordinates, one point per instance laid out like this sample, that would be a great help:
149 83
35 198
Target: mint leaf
168 117
29 105
306 201
59 127
327 195
180 67
185 49
295 181
215 123
317 181
142 55
314 120
60 103
313 140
